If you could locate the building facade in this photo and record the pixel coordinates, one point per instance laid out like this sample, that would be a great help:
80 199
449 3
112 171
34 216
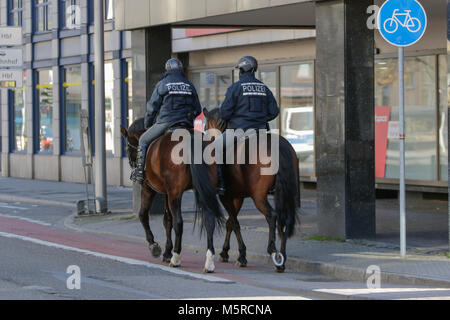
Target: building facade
40 122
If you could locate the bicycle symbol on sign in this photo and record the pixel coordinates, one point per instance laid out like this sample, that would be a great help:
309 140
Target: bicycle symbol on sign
412 24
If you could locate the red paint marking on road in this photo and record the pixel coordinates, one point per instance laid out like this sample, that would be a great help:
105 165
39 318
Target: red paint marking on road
101 244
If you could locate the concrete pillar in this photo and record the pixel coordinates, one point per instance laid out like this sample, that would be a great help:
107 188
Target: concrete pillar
345 120
448 95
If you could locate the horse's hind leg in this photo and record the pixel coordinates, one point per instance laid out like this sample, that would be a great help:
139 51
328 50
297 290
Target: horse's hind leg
167 255
265 208
233 206
177 222
147 196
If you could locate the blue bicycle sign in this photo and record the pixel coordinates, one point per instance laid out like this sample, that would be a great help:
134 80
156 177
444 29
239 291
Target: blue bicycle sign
402 22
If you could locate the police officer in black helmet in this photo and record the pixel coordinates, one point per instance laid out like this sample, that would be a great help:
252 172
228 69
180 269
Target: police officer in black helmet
248 104
174 100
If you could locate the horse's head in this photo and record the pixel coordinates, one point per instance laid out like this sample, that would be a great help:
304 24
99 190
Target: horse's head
213 120
132 138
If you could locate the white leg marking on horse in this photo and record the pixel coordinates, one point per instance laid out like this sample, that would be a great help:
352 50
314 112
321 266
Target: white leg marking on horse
209 264
176 260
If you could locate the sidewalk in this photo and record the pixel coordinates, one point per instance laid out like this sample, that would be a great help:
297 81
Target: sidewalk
343 260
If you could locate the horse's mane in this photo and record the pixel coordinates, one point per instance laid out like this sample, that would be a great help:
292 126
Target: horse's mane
137 126
215 115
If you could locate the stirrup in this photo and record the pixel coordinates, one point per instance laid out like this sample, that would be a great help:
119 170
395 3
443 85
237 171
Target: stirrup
220 190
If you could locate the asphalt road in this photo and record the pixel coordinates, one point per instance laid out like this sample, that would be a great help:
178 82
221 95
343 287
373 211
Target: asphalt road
36 251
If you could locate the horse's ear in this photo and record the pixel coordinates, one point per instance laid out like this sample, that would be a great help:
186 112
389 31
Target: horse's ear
205 112
124 131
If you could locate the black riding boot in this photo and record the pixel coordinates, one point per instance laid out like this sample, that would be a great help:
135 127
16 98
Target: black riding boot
138 173
220 182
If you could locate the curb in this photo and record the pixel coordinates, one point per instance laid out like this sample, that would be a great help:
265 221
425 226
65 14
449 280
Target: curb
332 270
4 197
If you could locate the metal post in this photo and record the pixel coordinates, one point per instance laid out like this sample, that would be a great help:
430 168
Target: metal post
100 146
401 99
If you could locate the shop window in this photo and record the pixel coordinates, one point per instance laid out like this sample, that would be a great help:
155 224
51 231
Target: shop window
420 115
15 13
211 87
443 119
297 112
44 96
19 116
71 88
128 86
109 104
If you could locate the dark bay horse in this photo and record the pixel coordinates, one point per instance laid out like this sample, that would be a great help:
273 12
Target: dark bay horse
245 180
165 176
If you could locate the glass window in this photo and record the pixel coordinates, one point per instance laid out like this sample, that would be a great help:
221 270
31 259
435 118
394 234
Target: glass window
205 83
129 90
15 13
109 106
42 18
443 118
420 114
269 77
109 9
18 103
44 94
297 112
72 107
68 13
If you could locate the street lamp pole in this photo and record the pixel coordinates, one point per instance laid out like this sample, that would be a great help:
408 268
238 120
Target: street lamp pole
100 146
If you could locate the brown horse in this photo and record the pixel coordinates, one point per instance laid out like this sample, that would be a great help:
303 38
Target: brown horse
165 176
245 180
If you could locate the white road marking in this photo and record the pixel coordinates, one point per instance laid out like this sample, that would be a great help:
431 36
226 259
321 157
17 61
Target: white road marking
117 258
26 219
381 290
7 206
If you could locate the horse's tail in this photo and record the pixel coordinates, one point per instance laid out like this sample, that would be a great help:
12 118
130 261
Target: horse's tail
207 205
286 183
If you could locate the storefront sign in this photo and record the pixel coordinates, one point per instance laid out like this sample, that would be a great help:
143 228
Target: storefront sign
10 36
11 79
10 58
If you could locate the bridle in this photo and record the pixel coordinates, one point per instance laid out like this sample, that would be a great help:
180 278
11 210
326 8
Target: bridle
130 146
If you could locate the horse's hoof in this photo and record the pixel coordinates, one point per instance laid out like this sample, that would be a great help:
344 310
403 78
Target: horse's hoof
155 250
278 259
173 265
241 264
165 259
205 270
280 269
223 257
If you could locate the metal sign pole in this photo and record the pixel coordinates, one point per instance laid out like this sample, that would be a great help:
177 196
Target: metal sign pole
401 100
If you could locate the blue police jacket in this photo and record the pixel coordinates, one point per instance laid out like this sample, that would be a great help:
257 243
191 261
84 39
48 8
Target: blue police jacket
249 104
173 100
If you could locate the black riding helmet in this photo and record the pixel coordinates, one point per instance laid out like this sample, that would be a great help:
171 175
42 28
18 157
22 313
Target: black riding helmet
174 64
247 64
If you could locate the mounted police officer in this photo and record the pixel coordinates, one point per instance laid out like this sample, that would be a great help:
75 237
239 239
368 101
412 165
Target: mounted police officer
173 101
248 104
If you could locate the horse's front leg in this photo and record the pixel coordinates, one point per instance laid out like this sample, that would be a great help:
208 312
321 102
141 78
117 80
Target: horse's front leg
167 255
177 222
147 195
